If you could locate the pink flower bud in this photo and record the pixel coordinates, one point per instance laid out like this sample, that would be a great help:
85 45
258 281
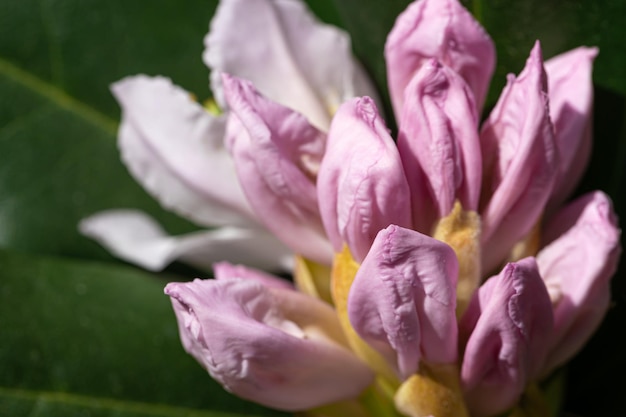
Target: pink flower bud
277 347
507 327
520 161
439 133
441 29
361 186
577 264
403 299
277 154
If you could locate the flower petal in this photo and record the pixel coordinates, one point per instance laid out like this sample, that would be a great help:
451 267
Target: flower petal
273 346
284 50
361 186
438 131
137 238
519 160
403 299
441 29
277 154
175 149
571 99
226 270
507 327
577 266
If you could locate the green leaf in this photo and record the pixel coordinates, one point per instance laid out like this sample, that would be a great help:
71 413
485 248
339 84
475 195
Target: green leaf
81 46
15 402
59 164
76 335
59 161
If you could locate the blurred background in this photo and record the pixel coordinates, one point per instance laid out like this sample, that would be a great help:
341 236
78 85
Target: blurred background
83 334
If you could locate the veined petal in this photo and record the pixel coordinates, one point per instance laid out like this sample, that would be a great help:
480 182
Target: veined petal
361 186
571 98
441 29
175 149
226 270
507 328
277 155
403 299
273 346
284 50
137 238
520 161
576 266
438 131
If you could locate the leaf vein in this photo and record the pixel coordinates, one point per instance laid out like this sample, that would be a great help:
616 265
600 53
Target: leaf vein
57 96
108 403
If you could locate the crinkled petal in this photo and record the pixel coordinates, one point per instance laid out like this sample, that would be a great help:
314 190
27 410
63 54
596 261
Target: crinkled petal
441 29
175 149
507 327
577 266
520 162
226 270
287 53
403 299
273 346
137 238
439 133
571 99
361 186
277 155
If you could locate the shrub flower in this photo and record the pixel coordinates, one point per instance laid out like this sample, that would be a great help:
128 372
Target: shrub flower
441 273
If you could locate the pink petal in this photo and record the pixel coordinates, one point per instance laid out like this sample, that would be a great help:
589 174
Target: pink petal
403 299
571 98
441 29
577 266
135 237
276 347
361 184
277 154
226 270
175 149
520 161
507 327
284 50
438 131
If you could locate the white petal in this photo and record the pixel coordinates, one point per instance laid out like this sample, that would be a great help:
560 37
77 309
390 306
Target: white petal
174 148
137 238
289 56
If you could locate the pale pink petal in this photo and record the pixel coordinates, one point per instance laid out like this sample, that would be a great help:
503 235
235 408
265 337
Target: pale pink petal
276 347
287 53
226 270
520 162
507 328
441 29
361 186
175 149
277 155
403 299
571 99
135 237
577 266
439 133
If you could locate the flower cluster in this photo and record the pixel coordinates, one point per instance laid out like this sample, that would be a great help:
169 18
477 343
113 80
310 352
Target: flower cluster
437 275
